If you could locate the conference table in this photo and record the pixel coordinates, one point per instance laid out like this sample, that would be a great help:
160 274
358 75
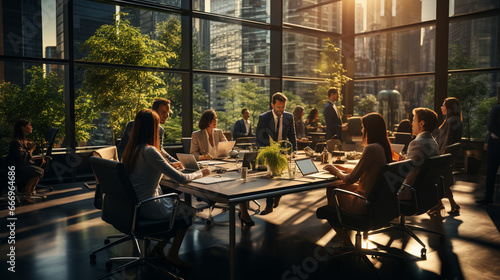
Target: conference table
235 190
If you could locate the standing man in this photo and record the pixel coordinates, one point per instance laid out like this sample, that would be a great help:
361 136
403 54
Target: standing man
492 155
334 126
162 107
278 125
243 127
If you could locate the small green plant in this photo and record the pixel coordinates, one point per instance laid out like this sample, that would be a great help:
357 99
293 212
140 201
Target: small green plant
273 156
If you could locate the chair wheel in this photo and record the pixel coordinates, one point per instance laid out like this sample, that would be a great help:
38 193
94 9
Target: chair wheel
92 258
108 264
106 241
423 253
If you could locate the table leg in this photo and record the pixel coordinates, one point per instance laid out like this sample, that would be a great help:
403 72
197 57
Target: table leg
232 239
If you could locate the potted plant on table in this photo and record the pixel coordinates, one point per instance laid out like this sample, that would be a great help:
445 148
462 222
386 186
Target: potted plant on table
273 156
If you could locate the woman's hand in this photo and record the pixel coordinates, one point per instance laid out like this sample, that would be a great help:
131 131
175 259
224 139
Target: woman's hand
332 169
205 157
177 165
205 172
343 168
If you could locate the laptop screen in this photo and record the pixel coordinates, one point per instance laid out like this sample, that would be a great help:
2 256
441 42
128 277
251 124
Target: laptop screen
306 166
224 147
188 160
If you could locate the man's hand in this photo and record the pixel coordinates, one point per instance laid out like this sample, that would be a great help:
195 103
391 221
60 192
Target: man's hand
344 127
205 172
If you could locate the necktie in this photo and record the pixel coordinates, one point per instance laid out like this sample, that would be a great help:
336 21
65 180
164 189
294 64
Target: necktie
278 138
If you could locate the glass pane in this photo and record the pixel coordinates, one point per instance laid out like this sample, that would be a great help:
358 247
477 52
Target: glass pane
316 14
257 10
458 7
305 94
394 99
28 29
379 14
401 52
232 48
227 96
143 37
106 99
174 3
301 54
34 92
474 44
477 93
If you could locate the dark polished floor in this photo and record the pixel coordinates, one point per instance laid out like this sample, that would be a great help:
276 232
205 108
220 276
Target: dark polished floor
54 239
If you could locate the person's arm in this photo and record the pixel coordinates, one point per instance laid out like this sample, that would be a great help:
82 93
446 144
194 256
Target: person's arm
195 145
261 134
157 161
494 121
17 154
238 130
364 163
291 134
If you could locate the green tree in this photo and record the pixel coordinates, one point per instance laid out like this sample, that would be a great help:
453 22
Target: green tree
364 104
332 70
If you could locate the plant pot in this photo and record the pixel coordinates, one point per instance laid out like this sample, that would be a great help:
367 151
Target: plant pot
274 171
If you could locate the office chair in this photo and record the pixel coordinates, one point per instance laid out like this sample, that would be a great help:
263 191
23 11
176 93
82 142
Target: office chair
50 138
121 208
381 208
453 149
426 192
403 138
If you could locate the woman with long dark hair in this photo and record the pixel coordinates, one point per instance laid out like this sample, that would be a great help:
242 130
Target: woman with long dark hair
20 155
360 179
146 165
450 132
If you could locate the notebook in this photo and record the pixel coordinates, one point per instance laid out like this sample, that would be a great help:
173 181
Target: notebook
309 170
223 149
189 162
397 147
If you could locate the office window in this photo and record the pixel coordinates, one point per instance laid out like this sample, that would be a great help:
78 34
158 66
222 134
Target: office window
232 48
36 94
410 51
379 14
227 96
306 94
394 98
315 14
301 54
474 44
257 10
106 99
458 7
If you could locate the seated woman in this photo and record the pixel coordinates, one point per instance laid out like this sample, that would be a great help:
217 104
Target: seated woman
144 162
204 146
404 126
312 121
361 178
20 155
300 127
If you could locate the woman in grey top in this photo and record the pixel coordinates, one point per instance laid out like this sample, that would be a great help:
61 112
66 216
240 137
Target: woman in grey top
146 166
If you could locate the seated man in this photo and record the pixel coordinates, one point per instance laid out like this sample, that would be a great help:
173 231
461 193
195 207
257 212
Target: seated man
243 127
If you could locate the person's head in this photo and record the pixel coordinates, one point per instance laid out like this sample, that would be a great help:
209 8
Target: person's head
245 113
451 107
278 103
313 115
22 127
162 107
208 119
333 94
375 131
404 126
424 119
144 132
298 113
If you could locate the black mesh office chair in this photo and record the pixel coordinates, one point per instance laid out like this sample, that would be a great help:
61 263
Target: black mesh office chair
121 208
50 138
426 192
382 207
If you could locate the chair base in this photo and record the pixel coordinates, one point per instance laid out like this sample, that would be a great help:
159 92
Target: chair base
122 239
405 228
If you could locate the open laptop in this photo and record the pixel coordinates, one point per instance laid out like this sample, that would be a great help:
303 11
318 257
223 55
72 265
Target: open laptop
397 147
309 170
189 162
223 149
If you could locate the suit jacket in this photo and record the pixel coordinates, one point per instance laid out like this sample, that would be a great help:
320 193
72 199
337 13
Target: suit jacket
126 136
240 129
333 122
422 147
493 124
199 141
265 129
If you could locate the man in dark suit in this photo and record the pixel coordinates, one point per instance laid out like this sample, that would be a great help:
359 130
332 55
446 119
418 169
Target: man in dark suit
162 107
278 125
334 126
243 127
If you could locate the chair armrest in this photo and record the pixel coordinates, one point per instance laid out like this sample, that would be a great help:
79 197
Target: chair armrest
39 157
175 205
351 193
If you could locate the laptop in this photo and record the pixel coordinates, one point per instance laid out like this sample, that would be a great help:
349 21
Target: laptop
309 170
223 149
397 147
189 162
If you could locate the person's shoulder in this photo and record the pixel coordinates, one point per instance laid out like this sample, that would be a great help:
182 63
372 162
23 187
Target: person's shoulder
288 114
150 150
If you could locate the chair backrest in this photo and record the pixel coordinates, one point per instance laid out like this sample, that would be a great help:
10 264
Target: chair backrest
402 138
354 125
50 138
186 144
426 183
119 195
453 149
228 135
383 198
107 153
